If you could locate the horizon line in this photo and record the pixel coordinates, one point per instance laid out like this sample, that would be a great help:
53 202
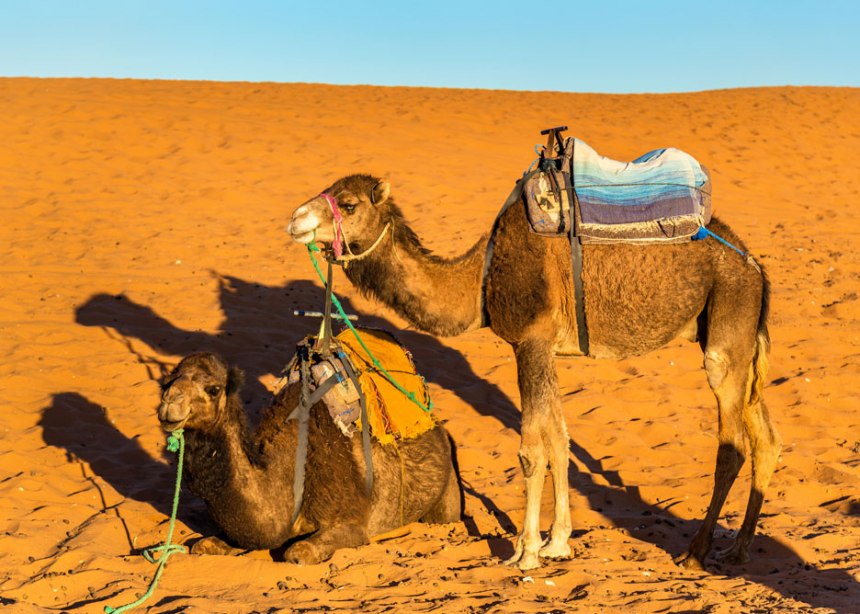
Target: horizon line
429 87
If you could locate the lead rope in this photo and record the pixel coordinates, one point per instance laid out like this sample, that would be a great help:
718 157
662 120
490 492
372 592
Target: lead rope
175 442
312 247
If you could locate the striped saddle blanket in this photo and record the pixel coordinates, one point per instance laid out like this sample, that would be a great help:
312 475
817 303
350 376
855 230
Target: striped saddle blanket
664 195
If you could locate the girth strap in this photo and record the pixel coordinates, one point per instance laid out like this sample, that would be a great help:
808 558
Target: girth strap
365 425
302 414
576 258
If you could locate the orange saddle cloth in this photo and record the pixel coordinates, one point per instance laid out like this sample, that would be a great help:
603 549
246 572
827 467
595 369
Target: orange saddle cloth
391 413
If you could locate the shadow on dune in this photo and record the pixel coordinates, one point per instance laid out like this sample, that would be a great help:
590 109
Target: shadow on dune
773 564
81 427
259 334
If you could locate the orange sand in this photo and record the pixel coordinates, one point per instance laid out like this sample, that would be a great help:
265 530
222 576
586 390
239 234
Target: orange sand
145 220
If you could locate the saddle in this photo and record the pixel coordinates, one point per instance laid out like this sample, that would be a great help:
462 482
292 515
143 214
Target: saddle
661 196
347 379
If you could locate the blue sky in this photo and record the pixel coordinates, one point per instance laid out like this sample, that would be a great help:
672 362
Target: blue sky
564 45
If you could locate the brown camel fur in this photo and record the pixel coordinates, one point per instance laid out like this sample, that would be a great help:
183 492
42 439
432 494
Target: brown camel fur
637 299
246 479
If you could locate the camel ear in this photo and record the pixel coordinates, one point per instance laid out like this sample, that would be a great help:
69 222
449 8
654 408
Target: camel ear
379 193
235 380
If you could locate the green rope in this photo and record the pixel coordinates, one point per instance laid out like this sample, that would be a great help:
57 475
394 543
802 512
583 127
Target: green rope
312 247
175 442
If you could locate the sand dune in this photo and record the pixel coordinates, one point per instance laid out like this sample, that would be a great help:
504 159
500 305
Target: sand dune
145 220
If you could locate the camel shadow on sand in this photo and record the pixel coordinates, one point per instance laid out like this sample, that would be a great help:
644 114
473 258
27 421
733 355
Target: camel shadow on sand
773 564
82 428
259 333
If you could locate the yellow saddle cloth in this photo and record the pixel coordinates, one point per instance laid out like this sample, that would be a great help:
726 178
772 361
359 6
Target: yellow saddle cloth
392 415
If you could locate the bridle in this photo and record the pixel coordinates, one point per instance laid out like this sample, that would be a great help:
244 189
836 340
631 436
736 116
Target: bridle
341 241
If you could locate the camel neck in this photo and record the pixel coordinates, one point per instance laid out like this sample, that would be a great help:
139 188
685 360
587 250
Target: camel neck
235 472
437 295
225 453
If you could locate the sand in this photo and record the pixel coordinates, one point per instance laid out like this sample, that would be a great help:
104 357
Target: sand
145 220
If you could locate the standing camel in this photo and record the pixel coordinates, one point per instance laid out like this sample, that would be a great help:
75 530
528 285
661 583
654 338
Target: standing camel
637 299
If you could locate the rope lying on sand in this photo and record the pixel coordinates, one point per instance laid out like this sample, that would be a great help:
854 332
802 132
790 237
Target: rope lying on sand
175 442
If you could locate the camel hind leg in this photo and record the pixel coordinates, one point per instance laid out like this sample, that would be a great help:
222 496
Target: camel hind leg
736 347
765 446
728 383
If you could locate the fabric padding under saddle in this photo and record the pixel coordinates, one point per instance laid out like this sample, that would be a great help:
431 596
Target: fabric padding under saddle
662 196
390 413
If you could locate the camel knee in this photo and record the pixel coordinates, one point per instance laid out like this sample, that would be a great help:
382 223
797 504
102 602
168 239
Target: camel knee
717 368
730 459
532 459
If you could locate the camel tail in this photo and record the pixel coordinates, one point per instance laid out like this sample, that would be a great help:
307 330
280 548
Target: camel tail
761 361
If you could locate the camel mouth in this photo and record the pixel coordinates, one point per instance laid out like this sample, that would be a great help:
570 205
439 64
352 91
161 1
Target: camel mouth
304 238
169 426
303 225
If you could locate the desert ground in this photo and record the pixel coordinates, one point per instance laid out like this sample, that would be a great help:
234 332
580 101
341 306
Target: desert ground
145 220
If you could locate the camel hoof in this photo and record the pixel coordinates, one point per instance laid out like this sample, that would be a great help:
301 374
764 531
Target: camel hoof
213 545
688 561
556 551
302 553
734 555
525 561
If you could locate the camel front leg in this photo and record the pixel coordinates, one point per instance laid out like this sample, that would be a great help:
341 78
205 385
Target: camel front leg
558 444
322 544
542 441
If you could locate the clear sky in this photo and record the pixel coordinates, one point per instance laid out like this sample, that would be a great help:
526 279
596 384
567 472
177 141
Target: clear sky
566 45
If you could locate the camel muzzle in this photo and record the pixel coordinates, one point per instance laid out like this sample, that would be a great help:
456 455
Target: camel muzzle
304 223
172 414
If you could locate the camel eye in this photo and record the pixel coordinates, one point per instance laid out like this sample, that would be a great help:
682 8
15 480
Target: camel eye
347 208
213 391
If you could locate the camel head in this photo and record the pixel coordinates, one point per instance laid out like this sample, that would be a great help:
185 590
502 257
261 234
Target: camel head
195 394
351 212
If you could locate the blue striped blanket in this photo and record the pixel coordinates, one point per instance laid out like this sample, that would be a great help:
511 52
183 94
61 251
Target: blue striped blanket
664 194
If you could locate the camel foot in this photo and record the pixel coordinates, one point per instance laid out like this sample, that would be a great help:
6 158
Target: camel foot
734 555
555 550
688 561
214 545
303 553
522 559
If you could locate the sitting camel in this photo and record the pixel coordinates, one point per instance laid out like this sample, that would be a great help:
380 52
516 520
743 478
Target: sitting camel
637 299
246 479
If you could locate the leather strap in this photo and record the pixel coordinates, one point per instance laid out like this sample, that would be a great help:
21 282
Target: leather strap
303 412
303 409
365 423
576 258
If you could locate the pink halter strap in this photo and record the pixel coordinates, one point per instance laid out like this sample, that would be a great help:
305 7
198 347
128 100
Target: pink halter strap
337 219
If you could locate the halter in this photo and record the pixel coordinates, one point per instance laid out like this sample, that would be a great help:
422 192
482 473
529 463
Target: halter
341 241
